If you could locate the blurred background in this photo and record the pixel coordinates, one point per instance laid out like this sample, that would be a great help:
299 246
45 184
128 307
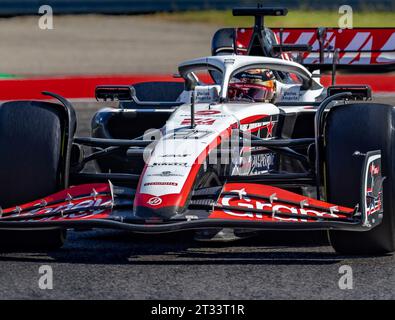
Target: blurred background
147 36
11 7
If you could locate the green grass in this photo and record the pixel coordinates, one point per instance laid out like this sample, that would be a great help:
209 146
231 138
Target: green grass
7 76
295 18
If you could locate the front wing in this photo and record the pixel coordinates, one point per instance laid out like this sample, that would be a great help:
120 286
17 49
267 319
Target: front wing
235 205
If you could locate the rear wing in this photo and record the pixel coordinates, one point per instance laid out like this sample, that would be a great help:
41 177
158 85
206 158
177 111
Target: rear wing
358 49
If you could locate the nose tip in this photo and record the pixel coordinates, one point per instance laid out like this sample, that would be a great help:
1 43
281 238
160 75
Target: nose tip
153 213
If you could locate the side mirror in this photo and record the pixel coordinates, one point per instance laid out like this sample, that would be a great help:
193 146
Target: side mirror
120 93
359 92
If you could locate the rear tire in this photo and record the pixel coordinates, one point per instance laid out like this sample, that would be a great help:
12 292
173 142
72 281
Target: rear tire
360 127
30 162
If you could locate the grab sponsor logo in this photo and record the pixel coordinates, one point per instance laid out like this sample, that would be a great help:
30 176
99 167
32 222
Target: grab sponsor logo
154 201
246 202
80 209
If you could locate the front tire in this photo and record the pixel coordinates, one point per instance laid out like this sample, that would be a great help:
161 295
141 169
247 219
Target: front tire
31 136
360 127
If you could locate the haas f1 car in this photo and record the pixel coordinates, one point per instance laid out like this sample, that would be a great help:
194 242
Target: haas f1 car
245 140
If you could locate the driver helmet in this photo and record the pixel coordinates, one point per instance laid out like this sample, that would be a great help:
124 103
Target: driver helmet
258 85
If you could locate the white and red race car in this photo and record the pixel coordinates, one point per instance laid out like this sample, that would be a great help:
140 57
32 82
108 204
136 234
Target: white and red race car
246 142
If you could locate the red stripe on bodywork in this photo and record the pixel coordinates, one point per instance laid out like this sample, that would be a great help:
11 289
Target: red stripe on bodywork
253 119
179 199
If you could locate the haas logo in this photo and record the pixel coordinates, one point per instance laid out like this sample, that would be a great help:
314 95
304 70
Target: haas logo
199 121
154 201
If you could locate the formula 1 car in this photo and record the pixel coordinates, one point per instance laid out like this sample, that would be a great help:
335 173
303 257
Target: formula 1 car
246 141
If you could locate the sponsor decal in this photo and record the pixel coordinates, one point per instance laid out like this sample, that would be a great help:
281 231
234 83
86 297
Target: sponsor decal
207 112
199 121
181 164
85 205
203 96
174 184
165 174
252 126
189 134
254 164
373 187
256 126
154 201
207 94
290 94
246 202
262 161
174 155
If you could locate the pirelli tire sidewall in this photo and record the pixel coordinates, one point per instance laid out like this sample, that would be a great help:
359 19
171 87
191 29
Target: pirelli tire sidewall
360 127
31 167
